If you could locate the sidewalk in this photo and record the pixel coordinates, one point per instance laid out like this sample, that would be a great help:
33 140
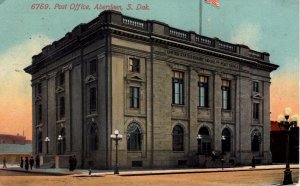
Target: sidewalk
85 172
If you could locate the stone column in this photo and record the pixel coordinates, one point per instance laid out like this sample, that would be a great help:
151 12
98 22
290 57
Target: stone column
266 122
193 111
217 109
33 120
245 118
68 107
236 135
51 112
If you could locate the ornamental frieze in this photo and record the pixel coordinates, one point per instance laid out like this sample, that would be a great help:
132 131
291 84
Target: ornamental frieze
203 59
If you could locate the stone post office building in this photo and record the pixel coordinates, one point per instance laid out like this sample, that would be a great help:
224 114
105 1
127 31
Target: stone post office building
162 87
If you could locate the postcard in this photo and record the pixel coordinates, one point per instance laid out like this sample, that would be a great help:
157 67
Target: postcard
170 87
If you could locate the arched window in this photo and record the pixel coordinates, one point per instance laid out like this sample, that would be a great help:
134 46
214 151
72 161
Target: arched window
255 141
40 142
94 137
134 137
226 140
177 138
204 142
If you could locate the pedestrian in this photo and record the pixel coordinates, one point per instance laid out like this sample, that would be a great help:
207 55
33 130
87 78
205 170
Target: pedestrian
70 163
4 162
26 163
31 162
22 162
253 162
74 162
37 161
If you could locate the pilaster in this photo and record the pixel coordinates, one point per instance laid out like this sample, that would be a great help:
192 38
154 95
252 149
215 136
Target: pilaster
217 106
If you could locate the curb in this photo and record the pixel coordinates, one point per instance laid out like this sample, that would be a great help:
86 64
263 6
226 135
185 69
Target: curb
40 172
194 172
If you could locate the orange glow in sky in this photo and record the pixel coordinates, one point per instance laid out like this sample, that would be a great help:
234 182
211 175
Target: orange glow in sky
25 32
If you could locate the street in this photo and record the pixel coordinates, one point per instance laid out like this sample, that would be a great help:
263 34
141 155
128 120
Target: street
258 177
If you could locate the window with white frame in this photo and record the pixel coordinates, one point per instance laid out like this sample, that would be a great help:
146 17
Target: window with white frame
134 97
255 110
203 91
178 88
225 94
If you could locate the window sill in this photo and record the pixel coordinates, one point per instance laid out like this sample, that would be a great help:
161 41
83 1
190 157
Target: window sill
60 120
91 115
133 108
132 151
39 125
226 110
178 105
204 108
176 151
201 154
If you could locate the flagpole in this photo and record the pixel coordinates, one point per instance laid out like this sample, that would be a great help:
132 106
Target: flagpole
200 15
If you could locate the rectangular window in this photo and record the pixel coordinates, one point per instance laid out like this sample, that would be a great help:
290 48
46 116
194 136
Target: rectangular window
255 86
134 65
40 113
203 91
178 88
61 107
93 99
39 89
93 67
256 110
225 94
134 97
61 80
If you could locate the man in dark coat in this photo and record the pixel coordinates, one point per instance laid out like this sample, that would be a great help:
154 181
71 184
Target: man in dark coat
253 162
22 162
74 162
4 162
26 163
37 161
70 163
31 162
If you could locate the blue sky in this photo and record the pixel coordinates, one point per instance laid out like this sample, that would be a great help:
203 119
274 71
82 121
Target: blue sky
264 25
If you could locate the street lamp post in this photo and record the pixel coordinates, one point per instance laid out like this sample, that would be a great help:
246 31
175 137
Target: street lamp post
116 137
287 124
47 140
60 138
199 138
223 138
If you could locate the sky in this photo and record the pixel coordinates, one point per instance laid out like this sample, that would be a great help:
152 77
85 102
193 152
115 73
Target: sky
263 25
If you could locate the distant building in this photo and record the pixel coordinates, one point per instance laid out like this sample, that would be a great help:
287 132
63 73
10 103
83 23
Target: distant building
13 147
13 139
278 144
159 85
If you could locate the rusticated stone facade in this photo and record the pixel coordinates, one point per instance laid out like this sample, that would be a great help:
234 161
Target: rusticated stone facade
160 86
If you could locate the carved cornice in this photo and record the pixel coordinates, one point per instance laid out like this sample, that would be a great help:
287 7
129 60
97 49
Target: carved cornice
38 98
89 79
257 96
59 89
111 23
134 77
67 68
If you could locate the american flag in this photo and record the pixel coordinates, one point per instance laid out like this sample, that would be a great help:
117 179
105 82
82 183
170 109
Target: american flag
214 2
